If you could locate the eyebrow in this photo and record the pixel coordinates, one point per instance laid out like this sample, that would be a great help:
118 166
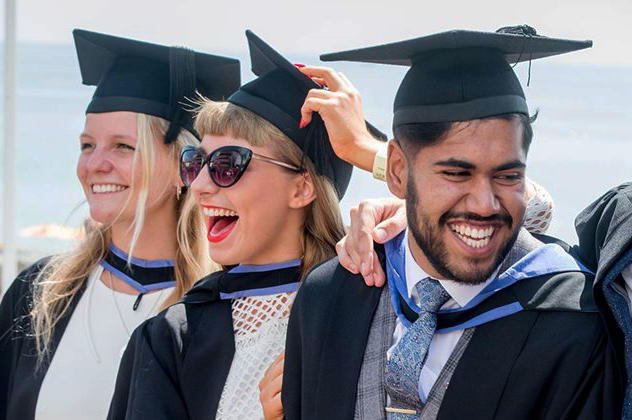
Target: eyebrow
457 163
515 164
122 137
114 137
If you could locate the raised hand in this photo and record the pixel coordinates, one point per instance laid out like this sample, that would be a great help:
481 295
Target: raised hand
378 220
340 107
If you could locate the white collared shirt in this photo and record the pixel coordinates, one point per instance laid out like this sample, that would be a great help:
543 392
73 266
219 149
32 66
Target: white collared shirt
443 344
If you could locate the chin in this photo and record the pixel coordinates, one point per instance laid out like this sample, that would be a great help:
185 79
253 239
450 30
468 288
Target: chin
111 215
477 270
475 273
224 258
102 216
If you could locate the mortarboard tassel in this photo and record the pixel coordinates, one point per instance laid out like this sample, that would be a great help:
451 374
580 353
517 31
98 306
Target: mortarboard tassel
318 148
527 32
182 78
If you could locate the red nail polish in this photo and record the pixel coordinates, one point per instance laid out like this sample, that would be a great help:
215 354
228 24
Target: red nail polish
302 124
299 65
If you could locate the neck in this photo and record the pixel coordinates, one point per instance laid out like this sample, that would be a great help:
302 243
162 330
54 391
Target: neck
157 239
274 257
285 246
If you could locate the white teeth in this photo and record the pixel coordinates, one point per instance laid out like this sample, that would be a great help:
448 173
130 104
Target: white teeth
107 188
473 237
214 212
475 244
482 233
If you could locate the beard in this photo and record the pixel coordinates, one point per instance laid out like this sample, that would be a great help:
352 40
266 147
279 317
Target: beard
429 238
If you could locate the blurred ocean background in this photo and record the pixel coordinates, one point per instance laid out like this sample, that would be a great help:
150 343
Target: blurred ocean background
582 144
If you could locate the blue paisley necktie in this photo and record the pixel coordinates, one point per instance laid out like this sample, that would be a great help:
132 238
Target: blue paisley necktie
404 367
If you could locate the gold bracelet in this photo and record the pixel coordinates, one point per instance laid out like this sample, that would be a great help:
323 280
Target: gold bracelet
379 164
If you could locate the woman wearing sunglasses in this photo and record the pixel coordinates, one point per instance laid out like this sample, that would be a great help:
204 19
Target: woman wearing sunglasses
66 320
269 191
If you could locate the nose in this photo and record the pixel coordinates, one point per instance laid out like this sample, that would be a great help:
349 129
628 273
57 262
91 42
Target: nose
482 199
99 161
203 184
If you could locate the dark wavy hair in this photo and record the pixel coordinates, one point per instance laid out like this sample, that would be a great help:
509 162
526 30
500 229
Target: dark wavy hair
419 135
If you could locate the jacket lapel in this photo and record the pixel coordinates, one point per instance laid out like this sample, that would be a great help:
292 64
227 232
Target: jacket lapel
473 378
352 311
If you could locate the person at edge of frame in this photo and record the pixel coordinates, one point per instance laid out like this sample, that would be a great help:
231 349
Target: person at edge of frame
65 320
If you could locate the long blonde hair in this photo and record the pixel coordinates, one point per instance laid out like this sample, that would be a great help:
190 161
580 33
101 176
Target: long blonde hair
64 276
323 224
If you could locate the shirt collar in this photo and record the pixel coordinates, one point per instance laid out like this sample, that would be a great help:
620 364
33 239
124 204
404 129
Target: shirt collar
461 293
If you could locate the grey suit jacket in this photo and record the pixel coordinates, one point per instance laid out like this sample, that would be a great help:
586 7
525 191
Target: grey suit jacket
371 397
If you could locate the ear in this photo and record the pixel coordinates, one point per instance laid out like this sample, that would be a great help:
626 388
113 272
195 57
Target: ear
396 169
303 192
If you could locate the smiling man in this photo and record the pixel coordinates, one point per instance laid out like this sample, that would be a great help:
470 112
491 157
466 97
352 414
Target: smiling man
479 319
470 179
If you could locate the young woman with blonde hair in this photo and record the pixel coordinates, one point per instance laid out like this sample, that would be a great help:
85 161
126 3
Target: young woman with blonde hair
66 320
269 190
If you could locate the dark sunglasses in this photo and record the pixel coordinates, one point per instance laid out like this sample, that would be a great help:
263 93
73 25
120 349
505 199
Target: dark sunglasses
225 165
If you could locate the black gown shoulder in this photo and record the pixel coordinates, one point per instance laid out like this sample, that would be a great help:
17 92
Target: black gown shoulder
328 328
176 364
551 360
20 376
539 363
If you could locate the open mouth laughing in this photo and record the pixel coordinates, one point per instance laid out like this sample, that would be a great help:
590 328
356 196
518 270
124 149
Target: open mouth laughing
221 222
476 238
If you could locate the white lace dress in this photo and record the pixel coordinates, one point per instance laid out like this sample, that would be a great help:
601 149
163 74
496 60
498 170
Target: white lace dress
260 325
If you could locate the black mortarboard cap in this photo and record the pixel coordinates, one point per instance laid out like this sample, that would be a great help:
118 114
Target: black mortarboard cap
277 95
461 75
152 79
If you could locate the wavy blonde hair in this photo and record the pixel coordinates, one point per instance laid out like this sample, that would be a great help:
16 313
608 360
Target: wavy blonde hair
323 224
64 276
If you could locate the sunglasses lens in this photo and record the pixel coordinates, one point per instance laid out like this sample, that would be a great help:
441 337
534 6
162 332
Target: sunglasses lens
191 162
227 166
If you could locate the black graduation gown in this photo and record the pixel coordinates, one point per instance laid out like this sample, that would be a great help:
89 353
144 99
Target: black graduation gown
20 375
549 361
176 363
604 230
